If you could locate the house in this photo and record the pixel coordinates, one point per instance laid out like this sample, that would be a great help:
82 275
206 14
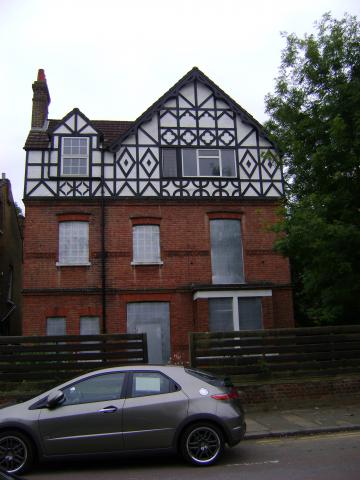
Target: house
10 261
160 225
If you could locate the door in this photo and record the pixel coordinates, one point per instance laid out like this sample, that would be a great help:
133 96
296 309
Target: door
89 420
152 318
152 412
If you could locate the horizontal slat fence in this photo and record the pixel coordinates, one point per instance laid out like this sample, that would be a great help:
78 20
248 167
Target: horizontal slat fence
58 357
269 352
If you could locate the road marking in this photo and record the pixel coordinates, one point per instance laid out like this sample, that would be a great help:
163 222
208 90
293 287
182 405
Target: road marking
249 464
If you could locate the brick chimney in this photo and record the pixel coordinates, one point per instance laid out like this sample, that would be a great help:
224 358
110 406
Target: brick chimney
41 102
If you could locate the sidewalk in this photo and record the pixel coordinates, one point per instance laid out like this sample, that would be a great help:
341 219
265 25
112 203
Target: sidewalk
302 421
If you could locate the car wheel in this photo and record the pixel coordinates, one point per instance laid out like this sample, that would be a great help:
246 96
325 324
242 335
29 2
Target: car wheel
16 452
202 444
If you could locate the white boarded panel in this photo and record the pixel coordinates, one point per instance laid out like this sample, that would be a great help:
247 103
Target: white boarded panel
53 171
243 131
109 172
151 128
251 189
263 142
96 171
189 93
221 104
131 140
125 190
56 141
149 189
41 190
270 190
170 103
206 120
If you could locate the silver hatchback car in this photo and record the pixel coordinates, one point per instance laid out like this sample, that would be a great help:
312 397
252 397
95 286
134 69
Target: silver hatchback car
121 410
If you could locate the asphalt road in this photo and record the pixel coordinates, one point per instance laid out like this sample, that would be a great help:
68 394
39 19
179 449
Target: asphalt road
319 457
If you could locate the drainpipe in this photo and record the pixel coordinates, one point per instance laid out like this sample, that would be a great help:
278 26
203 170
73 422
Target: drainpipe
103 256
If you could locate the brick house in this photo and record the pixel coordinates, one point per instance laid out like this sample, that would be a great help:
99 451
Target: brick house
11 255
158 225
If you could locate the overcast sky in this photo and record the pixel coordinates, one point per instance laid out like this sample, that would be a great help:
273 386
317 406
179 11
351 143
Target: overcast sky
113 58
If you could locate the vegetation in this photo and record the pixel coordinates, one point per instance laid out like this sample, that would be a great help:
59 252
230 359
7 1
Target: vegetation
315 120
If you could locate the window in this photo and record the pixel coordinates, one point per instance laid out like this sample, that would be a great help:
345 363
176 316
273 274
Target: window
56 326
226 251
198 162
75 156
73 243
89 326
95 389
151 383
234 313
146 244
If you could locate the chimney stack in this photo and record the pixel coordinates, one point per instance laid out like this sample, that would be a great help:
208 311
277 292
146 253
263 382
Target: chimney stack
41 102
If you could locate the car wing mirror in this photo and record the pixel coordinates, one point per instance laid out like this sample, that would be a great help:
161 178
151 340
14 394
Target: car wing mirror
55 398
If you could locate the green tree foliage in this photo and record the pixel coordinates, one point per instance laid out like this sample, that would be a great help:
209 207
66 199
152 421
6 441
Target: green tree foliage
315 120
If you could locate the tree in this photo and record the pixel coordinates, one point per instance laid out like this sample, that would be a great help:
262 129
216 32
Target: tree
315 121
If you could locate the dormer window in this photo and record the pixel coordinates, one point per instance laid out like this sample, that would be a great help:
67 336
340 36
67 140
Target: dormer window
198 162
75 156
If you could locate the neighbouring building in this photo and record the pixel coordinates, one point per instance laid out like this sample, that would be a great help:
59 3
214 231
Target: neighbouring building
160 225
11 254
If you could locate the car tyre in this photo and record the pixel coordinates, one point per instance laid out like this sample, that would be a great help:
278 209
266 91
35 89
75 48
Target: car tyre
16 452
202 444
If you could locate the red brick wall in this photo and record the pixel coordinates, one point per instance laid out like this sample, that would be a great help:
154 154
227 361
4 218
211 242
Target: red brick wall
185 252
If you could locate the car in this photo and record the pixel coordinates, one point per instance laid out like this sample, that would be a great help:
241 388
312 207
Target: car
124 409
9 476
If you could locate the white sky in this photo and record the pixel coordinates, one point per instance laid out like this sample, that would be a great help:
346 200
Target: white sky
114 58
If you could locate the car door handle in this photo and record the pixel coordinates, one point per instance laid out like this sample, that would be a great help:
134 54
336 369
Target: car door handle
108 410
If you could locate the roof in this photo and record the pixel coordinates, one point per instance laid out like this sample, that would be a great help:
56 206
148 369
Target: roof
110 130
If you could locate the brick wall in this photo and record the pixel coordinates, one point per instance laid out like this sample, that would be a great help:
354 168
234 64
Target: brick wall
185 252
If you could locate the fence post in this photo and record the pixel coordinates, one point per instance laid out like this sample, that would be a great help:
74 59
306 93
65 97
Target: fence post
145 347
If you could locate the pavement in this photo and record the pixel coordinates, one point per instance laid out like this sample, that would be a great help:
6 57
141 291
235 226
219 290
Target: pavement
289 421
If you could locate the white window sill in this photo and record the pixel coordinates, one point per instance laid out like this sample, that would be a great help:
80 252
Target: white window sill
147 263
85 264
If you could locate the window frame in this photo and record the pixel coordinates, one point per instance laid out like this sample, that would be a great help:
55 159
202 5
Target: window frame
137 245
77 156
66 259
179 158
173 386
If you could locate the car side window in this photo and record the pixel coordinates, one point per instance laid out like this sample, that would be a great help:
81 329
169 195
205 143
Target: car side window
107 386
150 383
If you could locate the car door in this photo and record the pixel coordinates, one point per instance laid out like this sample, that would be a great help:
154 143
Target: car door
90 418
154 407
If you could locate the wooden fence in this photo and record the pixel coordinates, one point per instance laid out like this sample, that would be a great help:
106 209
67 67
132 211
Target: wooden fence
58 357
272 352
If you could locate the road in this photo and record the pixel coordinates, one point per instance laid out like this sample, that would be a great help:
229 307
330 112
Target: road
319 457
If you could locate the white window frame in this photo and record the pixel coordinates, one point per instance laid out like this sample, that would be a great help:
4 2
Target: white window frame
71 255
146 245
217 155
234 295
81 157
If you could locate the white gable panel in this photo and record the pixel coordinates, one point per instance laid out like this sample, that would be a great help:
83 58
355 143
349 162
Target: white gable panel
41 190
151 127
109 172
34 157
270 190
187 120
251 189
53 171
243 131
56 142
220 104
203 93
263 142
149 189
207 120
62 129
54 156
96 171
168 120
34 171
171 103
80 122
88 130
131 140
189 93
70 122
96 157
226 120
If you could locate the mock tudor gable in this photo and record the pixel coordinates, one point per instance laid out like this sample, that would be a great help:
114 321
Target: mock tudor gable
195 141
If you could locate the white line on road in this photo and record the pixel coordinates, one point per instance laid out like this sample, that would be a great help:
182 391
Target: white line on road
251 463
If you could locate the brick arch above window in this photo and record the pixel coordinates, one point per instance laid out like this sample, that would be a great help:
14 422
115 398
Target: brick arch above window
225 215
73 217
145 220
